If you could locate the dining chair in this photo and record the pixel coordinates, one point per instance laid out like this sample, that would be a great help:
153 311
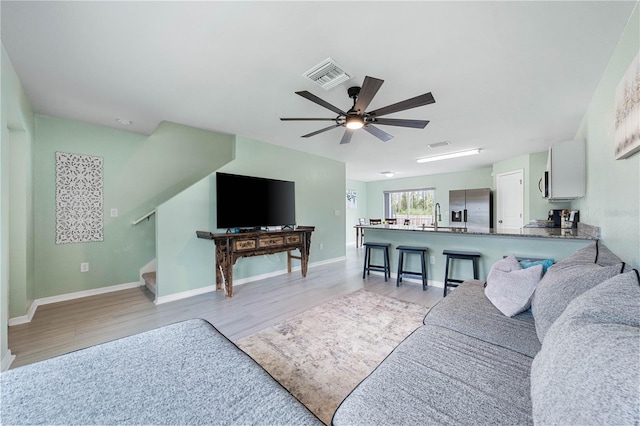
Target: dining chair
375 221
407 222
391 221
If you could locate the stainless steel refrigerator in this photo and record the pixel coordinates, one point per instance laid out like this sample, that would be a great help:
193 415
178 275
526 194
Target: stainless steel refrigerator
471 209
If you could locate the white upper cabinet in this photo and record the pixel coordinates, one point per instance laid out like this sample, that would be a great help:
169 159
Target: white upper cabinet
565 175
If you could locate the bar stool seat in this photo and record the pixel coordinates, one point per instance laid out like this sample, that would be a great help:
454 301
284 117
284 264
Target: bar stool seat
367 259
422 251
459 255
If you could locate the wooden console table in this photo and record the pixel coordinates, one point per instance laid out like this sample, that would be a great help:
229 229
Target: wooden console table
230 247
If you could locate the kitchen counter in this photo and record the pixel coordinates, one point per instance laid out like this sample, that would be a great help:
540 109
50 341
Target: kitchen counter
558 233
493 244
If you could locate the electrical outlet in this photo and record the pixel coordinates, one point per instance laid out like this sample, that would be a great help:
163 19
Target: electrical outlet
114 212
321 246
84 267
336 212
432 260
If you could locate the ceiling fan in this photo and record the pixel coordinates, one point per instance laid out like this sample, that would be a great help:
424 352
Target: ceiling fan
357 117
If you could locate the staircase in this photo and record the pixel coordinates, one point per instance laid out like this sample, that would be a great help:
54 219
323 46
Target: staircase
149 279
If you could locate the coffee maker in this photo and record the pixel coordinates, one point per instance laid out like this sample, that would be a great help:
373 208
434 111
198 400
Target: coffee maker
570 219
554 220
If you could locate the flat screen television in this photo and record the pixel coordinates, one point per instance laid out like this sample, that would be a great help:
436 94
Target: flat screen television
253 202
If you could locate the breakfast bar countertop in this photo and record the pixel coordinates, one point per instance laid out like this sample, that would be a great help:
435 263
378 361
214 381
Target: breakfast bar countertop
584 232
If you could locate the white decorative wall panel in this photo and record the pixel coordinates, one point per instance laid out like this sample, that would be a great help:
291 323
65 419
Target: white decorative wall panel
79 198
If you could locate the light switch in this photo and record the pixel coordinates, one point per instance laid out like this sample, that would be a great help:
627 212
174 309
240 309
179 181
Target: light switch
336 212
114 212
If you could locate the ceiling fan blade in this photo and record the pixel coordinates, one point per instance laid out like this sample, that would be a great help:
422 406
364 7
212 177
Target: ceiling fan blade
369 88
314 98
307 119
416 124
308 135
380 134
346 138
421 100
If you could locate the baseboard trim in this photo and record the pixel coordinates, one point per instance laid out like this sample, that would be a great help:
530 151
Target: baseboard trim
7 359
184 294
394 276
202 290
69 296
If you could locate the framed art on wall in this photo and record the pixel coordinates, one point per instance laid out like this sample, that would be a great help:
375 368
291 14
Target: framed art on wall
352 199
79 198
627 125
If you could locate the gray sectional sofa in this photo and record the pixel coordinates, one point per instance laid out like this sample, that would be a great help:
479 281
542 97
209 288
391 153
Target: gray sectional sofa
573 359
182 374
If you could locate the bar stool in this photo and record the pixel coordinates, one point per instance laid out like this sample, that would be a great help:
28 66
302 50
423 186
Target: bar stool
460 255
422 251
367 259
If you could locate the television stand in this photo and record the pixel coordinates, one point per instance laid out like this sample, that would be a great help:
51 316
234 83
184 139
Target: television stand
232 246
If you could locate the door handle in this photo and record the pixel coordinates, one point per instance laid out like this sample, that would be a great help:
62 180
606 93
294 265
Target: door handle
465 215
500 221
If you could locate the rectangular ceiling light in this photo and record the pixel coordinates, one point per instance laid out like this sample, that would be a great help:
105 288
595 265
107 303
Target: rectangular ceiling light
448 156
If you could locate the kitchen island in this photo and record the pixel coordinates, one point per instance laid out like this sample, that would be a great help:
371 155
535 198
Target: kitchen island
544 243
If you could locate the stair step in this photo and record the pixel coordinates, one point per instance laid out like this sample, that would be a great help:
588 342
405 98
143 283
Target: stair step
149 277
150 280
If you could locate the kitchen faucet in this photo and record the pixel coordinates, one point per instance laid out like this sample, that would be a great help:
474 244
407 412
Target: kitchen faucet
438 216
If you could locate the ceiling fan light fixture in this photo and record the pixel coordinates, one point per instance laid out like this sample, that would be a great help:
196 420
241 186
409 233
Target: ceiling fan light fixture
448 156
354 122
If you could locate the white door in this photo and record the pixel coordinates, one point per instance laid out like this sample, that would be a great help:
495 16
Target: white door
510 193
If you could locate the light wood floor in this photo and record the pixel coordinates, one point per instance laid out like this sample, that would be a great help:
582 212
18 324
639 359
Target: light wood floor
67 326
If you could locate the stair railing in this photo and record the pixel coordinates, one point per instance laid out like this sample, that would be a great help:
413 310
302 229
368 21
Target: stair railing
146 216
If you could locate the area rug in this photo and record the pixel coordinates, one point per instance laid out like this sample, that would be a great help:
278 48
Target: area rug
321 354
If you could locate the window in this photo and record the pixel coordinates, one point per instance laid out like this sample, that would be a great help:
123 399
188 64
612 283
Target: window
415 205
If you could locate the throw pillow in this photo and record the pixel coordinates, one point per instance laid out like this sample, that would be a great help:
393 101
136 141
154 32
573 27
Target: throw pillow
560 286
546 264
587 370
509 287
508 264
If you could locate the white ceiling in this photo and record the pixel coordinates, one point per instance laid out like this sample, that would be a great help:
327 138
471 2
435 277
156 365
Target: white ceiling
508 77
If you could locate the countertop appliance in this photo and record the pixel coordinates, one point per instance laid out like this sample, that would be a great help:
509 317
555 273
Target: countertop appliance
471 208
570 219
555 218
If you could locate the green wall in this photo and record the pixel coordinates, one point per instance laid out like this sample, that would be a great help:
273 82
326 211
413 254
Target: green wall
186 263
443 183
139 173
352 215
320 193
183 261
16 200
612 200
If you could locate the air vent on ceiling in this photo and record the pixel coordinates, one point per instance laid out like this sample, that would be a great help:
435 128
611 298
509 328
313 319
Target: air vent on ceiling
439 144
327 74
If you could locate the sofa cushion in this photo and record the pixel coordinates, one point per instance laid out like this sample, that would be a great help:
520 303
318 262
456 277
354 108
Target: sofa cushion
468 311
440 376
510 291
185 373
595 252
560 285
587 371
